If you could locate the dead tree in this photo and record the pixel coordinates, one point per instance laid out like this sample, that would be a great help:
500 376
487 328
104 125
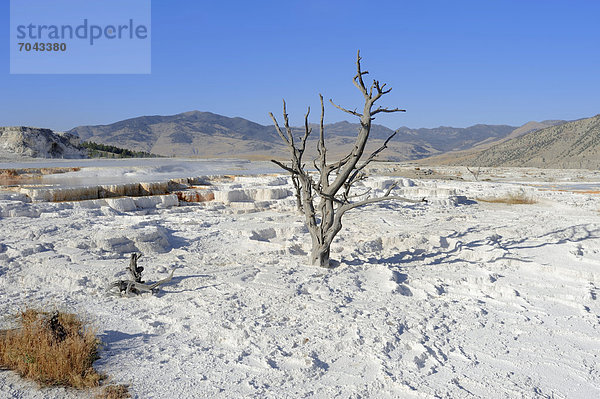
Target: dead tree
475 172
333 182
136 286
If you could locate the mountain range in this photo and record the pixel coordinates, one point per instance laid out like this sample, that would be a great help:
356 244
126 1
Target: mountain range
466 156
204 134
551 143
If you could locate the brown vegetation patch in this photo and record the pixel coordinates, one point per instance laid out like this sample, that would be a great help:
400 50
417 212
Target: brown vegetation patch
587 191
10 177
195 196
8 173
19 176
51 349
222 178
512 199
114 392
563 190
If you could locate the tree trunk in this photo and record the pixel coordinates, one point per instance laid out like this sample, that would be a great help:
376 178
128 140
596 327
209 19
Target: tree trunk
296 183
320 255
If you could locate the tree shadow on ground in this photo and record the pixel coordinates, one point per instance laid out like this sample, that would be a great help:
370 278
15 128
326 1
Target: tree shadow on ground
114 342
110 337
178 279
573 234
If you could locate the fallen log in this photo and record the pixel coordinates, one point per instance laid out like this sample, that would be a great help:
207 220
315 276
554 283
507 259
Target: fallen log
136 286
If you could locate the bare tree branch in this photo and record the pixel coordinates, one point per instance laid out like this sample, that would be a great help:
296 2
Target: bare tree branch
283 137
307 132
371 158
358 80
337 165
380 90
344 109
389 190
321 149
286 124
367 191
285 167
381 109
316 166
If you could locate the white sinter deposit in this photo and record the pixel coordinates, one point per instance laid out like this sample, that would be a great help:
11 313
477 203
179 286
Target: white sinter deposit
20 141
449 299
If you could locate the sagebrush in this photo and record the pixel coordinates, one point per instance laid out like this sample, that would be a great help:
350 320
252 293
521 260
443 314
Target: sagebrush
51 348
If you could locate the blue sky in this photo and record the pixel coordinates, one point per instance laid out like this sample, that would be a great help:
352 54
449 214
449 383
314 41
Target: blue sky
451 63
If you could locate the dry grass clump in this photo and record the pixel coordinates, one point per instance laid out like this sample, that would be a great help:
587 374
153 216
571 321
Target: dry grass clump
8 173
9 177
114 392
51 349
511 198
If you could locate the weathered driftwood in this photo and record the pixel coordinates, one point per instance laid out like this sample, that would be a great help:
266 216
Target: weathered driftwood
136 286
333 182
134 270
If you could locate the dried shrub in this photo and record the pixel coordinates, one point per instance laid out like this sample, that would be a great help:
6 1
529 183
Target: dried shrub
9 177
8 173
511 198
194 196
51 349
114 392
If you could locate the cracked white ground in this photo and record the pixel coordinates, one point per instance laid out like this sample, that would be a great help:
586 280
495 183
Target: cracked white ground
431 300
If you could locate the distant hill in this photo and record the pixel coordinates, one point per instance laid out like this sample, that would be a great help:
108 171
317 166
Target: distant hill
570 145
204 134
466 156
21 141
532 127
445 138
188 134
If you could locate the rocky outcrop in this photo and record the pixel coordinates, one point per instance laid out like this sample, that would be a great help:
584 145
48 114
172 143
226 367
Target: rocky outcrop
21 141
